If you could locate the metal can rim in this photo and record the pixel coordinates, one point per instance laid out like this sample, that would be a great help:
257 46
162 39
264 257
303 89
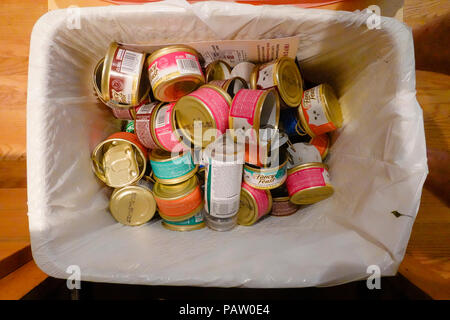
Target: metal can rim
190 187
280 61
169 226
106 72
174 121
328 187
211 66
306 166
172 48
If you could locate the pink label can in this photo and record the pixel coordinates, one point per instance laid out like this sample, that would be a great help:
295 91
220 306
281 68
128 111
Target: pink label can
254 109
309 183
254 204
202 115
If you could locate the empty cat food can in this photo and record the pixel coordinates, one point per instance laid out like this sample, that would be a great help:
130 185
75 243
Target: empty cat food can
133 205
231 86
163 128
223 162
322 143
127 113
254 204
202 115
217 70
309 183
254 109
122 83
171 169
282 74
320 111
281 206
145 124
243 70
174 72
193 223
266 177
120 160
178 202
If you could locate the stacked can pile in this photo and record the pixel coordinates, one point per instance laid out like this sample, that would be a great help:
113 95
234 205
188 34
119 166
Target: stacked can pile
202 143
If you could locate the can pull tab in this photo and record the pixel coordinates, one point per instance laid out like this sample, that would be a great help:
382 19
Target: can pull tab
120 165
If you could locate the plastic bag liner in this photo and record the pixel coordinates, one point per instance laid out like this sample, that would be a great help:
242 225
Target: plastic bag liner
377 162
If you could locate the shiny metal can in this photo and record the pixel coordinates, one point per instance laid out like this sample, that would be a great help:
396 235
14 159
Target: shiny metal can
170 169
254 204
120 160
203 112
309 183
254 109
178 202
133 205
174 71
193 223
266 178
121 83
217 70
163 128
281 206
231 86
282 74
320 111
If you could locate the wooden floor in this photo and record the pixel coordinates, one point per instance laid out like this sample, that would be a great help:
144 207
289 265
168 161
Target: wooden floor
427 260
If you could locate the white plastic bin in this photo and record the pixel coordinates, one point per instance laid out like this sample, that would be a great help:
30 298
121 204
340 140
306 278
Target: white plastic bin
377 163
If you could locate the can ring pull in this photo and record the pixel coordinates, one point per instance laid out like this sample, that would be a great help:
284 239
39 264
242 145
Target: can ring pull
299 129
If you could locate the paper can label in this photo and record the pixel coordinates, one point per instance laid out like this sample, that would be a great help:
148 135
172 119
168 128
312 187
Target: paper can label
307 178
313 108
178 63
222 188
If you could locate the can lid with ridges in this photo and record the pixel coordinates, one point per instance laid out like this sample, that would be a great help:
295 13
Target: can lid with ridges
289 81
132 205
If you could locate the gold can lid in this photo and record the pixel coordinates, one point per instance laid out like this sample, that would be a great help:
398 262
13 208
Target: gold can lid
289 81
331 103
120 165
190 109
160 155
175 191
217 70
132 205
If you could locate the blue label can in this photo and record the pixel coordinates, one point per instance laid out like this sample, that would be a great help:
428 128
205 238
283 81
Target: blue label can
171 168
